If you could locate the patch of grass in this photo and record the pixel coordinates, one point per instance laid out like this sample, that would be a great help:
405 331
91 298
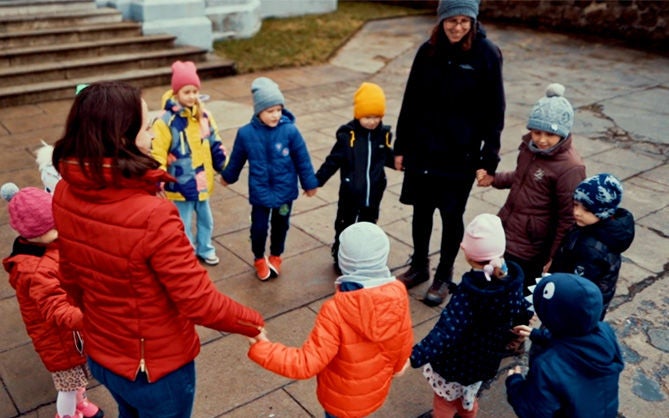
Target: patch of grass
304 40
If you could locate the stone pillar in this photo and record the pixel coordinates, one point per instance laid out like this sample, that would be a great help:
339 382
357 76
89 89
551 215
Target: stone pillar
186 19
234 18
287 8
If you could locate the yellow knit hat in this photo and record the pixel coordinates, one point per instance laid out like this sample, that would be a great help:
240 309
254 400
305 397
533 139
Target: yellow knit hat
369 100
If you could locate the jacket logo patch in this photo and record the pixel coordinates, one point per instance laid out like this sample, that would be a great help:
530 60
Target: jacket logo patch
539 175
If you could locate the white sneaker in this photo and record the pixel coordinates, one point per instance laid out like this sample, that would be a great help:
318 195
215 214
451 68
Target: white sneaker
211 260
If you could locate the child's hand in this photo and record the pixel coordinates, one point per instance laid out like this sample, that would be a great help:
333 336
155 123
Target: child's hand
404 368
399 162
223 182
483 179
515 370
262 336
522 330
547 266
310 193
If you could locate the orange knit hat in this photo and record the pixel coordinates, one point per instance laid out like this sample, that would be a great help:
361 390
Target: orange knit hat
369 100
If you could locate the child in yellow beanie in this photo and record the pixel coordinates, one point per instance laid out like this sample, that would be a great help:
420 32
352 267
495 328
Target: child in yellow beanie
360 154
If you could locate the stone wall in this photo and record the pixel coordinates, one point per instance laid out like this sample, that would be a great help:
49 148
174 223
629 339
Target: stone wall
635 21
643 23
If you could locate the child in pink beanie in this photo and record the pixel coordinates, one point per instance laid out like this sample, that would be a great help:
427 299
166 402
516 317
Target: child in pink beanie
187 146
50 320
473 333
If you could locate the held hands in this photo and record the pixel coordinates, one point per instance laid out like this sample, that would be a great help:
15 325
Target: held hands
262 336
310 193
399 162
483 179
515 370
223 182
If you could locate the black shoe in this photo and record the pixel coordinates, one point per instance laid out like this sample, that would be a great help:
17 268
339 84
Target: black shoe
437 292
415 276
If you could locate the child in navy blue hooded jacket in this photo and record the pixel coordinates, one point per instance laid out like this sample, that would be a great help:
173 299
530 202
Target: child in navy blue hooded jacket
277 156
576 370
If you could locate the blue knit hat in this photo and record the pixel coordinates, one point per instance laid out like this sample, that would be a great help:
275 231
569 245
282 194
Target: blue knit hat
450 8
266 93
552 113
600 194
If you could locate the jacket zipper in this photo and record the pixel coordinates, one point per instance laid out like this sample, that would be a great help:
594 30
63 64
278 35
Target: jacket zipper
142 362
369 163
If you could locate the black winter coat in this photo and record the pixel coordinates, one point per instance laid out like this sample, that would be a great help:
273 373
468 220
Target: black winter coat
360 155
452 112
593 251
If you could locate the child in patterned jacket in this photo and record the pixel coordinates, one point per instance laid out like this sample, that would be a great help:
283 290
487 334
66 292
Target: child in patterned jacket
187 145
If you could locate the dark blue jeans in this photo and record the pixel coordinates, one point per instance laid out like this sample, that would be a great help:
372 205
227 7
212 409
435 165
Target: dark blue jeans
261 217
170 397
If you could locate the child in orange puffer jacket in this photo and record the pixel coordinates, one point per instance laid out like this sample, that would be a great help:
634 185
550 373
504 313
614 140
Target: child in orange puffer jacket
50 319
362 337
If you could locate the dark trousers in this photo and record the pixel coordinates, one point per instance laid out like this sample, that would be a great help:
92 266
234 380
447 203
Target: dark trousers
347 215
261 219
451 200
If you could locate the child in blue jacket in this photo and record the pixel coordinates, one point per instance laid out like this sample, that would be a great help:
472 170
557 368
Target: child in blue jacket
277 157
576 369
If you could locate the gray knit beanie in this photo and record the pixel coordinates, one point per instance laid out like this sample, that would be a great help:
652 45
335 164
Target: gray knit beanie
266 93
450 8
363 251
552 113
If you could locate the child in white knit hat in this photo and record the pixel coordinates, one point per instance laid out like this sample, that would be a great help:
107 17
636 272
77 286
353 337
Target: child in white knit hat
362 336
51 321
473 333
538 210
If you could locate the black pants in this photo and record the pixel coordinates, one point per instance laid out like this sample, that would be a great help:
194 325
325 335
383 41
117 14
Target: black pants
261 218
347 215
531 269
450 198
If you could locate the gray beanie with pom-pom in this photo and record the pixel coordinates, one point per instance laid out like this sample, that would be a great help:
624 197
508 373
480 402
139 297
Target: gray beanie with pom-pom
552 113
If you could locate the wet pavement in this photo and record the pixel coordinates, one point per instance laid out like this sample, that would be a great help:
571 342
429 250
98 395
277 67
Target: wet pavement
621 98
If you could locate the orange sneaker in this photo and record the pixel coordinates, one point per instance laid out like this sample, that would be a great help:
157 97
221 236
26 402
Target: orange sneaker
262 268
274 265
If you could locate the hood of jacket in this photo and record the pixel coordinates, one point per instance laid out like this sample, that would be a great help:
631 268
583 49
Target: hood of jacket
374 312
487 295
617 232
594 354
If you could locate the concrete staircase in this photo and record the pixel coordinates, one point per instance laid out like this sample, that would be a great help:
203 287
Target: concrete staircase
47 47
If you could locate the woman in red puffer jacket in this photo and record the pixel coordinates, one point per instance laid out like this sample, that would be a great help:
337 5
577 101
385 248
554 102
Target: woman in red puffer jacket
126 260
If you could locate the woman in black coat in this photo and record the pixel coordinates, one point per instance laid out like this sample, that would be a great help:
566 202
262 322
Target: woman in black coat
449 126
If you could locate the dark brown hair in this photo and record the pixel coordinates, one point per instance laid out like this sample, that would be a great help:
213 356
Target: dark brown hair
103 123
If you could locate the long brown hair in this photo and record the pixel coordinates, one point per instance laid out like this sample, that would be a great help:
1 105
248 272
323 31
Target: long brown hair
103 123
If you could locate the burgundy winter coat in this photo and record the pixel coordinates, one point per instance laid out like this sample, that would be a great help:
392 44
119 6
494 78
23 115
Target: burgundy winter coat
538 211
126 258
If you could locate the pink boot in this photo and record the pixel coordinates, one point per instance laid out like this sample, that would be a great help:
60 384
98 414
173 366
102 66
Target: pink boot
87 408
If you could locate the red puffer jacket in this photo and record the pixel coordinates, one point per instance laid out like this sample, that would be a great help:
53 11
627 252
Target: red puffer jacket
126 259
360 340
50 319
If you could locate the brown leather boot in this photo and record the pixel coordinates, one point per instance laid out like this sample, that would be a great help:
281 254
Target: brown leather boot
415 275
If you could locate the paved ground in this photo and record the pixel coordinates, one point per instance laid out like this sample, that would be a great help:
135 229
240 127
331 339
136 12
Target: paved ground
622 120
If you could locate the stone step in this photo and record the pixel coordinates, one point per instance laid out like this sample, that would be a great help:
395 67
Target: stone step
59 36
210 67
76 69
58 19
99 48
26 7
